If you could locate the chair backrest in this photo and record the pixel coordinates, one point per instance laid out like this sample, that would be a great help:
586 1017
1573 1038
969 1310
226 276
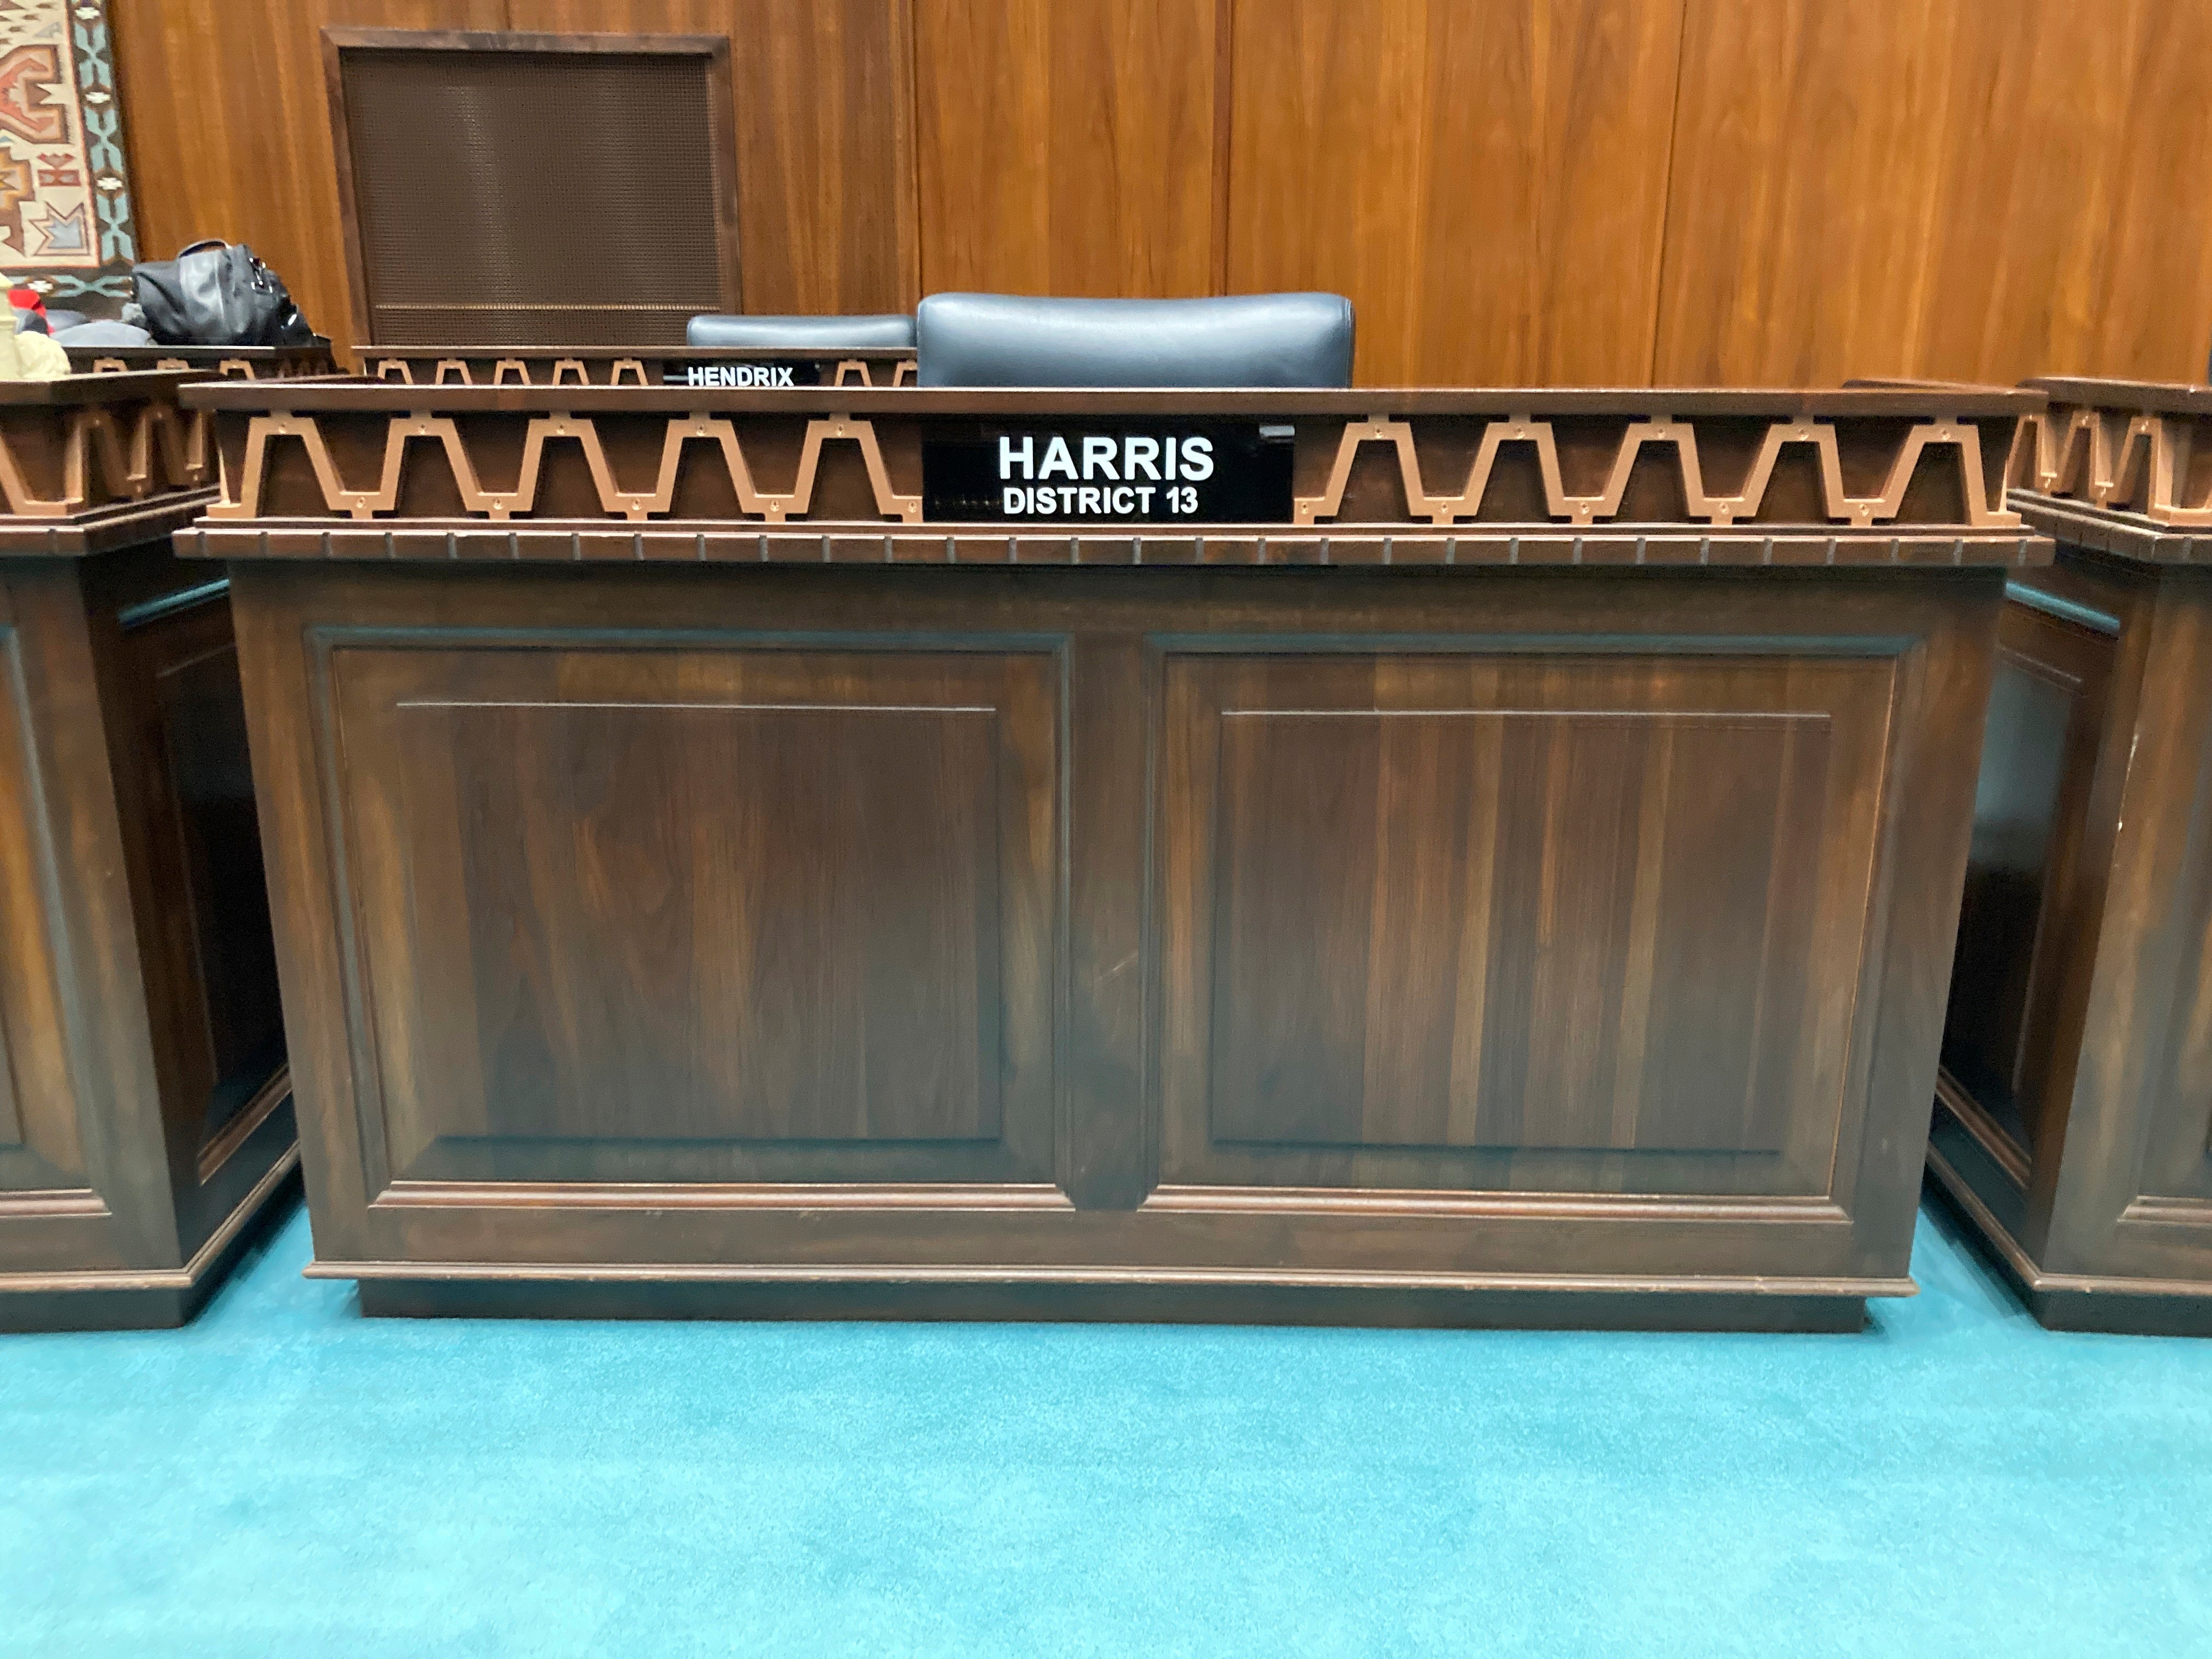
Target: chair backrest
817 333
1242 340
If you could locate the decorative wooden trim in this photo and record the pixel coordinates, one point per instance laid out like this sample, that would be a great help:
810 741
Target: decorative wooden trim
626 366
1846 406
500 505
1683 439
932 1274
239 363
236 535
46 1202
257 1111
2008 1154
2022 1266
1475 1205
166 1279
746 428
157 431
2105 530
717 1196
2073 454
2119 444
2161 1210
104 529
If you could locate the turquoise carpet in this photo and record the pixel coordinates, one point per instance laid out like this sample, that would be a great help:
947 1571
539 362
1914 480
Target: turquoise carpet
287 1478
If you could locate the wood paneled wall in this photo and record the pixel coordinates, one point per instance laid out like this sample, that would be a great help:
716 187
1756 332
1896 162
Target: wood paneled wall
1956 188
1573 191
1071 146
1485 181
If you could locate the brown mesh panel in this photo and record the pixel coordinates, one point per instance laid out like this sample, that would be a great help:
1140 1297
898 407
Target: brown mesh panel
509 197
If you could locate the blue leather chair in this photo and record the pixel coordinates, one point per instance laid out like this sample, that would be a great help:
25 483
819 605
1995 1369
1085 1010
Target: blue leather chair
826 334
1242 340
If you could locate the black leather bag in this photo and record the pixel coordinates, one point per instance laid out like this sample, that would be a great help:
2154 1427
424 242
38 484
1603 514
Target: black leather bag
216 293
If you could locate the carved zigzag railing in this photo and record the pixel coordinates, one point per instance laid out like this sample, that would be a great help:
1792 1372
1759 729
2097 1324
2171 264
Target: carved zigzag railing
513 371
577 371
228 368
2119 459
500 504
1426 498
1682 438
157 433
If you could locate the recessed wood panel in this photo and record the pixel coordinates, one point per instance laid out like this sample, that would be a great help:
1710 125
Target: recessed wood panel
825 166
1068 146
1491 952
689 912
220 913
1487 183
615 211
1472 924
41 1142
2169 967
2022 930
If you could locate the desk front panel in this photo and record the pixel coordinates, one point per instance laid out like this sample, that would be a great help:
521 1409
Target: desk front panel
1295 928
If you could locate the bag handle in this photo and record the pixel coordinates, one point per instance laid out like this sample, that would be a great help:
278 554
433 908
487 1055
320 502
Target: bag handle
204 241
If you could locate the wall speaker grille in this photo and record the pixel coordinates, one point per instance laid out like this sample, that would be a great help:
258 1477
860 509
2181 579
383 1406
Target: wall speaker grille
508 196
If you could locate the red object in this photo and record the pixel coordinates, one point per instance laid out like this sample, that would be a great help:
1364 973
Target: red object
24 298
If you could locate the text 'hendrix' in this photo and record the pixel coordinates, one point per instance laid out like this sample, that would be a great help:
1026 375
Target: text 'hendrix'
739 375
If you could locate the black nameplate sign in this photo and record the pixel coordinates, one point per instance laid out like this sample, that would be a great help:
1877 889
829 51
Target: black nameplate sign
1136 471
751 377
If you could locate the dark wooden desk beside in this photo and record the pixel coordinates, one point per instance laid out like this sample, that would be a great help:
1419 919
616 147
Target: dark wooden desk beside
2073 1121
1518 886
144 1118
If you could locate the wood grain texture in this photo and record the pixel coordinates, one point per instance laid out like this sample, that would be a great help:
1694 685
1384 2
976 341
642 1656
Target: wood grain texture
1514 922
1677 191
1787 757
1891 477
1486 183
1068 146
1969 189
2076 148
2073 1123
710 915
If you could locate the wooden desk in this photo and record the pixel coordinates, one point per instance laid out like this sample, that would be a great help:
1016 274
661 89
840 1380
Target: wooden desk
234 363
647 366
1516 885
2072 1119
144 1113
